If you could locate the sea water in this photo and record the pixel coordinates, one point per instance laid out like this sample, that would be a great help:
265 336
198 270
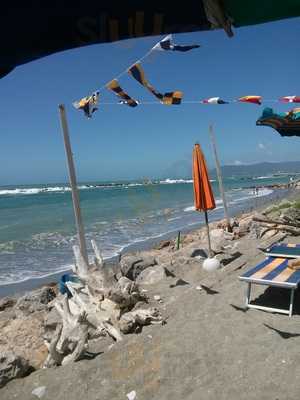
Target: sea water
37 228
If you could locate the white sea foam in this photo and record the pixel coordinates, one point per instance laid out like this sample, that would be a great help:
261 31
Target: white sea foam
263 177
46 189
269 177
172 181
192 208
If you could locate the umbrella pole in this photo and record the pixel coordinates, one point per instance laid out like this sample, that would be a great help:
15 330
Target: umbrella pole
208 237
73 182
219 174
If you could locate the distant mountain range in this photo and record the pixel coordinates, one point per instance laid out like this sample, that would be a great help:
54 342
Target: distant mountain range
260 169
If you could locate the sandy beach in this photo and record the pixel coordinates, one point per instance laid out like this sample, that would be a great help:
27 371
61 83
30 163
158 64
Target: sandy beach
210 347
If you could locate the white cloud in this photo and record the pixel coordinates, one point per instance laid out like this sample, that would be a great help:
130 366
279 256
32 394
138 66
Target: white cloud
265 148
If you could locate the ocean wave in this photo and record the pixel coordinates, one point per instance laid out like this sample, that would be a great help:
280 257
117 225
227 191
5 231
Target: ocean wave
261 193
28 191
112 185
13 278
268 177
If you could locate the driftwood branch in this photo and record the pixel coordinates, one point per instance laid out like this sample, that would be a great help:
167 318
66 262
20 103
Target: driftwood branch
276 222
98 256
284 228
81 267
131 320
98 305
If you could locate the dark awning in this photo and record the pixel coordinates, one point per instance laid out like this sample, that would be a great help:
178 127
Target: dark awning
34 28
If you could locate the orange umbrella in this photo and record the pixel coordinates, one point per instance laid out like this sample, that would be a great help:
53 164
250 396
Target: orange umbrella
203 194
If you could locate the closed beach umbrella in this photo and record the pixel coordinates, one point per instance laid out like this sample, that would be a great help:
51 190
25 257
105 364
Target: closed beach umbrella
203 194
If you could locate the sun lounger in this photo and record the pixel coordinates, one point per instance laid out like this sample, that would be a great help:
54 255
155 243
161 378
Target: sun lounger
272 272
284 250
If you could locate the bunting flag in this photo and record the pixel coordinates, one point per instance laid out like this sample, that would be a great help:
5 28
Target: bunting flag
88 104
251 99
137 72
214 100
290 99
286 124
171 98
167 44
116 88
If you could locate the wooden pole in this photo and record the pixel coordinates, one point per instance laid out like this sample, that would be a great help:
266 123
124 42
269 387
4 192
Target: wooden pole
73 183
219 174
208 237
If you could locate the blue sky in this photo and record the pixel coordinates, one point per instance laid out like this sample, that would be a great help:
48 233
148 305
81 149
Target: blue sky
151 140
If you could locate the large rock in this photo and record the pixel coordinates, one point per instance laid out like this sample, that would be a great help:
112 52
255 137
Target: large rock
7 302
11 367
52 318
217 238
151 275
132 266
34 301
24 336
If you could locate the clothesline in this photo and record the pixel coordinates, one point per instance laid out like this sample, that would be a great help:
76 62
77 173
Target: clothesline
199 102
125 70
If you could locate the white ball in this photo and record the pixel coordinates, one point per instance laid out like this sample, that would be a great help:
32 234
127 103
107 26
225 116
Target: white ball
211 264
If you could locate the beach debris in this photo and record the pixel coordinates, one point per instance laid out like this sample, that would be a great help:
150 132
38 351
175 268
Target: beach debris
157 297
12 366
98 303
131 395
198 287
39 391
